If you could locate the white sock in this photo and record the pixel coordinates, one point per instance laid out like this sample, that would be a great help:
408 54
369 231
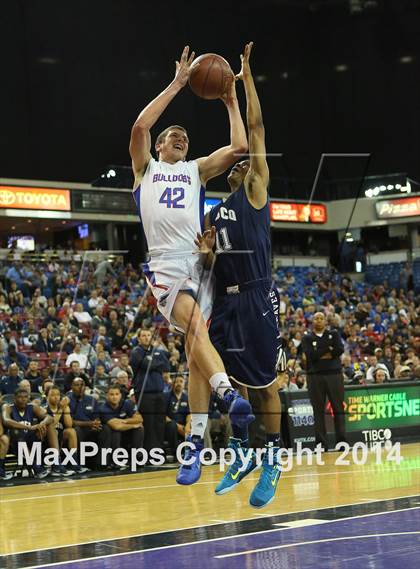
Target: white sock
198 424
220 383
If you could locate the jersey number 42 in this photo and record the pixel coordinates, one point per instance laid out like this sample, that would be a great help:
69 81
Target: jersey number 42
172 197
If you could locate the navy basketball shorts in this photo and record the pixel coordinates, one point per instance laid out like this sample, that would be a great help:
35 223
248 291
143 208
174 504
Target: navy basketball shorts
244 330
20 436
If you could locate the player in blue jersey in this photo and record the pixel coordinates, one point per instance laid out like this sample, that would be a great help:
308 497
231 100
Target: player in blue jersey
245 321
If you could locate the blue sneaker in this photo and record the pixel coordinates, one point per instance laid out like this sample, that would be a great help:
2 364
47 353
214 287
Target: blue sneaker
239 409
189 474
265 490
233 475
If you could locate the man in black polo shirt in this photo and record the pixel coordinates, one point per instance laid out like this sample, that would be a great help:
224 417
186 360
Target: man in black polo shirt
177 414
74 372
149 364
33 375
85 414
122 417
321 351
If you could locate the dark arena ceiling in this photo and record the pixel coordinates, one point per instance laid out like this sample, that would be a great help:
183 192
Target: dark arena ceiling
333 76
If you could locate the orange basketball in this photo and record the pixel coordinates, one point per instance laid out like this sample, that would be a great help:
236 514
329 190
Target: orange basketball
210 76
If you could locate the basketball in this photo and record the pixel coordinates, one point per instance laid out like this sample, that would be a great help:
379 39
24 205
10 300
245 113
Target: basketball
210 76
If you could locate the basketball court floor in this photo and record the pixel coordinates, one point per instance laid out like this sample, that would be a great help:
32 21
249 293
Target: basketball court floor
330 516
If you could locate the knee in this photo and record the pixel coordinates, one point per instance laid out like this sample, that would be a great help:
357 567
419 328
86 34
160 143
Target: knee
196 329
69 432
4 441
269 393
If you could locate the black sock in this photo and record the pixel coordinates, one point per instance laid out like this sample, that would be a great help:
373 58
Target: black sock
272 439
241 433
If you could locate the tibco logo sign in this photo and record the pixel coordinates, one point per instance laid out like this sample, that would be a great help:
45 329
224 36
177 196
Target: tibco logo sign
377 435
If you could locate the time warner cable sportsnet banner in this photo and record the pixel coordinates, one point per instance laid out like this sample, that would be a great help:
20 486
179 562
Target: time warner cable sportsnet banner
374 413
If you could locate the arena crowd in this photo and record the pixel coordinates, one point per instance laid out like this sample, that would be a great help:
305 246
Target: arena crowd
80 338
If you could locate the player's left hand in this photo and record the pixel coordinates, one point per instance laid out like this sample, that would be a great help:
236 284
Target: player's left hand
245 67
206 241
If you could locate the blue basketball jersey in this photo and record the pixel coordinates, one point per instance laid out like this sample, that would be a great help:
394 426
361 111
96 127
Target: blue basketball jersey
243 243
26 417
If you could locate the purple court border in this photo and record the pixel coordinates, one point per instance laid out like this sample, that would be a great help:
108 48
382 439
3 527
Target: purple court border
385 541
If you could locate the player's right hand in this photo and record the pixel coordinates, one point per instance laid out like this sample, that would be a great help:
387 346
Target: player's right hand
183 67
206 241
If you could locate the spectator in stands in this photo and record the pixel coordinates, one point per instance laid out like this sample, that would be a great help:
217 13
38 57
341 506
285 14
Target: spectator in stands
101 378
174 361
386 359
122 418
33 375
15 357
30 334
123 365
103 268
404 373
102 335
123 382
51 317
96 300
45 344
148 366
102 356
99 319
26 423
4 305
380 375
81 315
373 365
88 350
36 310
301 380
177 415
112 320
85 414
77 356
118 339
74 372
46 385
10 382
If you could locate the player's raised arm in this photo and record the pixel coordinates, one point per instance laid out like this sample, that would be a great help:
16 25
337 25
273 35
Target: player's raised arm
220 160
256 181
140 133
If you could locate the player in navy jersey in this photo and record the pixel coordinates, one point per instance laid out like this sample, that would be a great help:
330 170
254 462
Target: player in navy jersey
245 321
26 423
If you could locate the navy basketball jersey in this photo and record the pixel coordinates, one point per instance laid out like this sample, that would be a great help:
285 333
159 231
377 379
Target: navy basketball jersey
26 417
243 243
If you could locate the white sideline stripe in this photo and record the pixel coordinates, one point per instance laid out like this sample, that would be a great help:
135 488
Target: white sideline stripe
304 523
198 542
156 487
215 524
329 540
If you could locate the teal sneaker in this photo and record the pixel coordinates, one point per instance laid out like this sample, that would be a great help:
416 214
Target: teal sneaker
233 475
265 490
